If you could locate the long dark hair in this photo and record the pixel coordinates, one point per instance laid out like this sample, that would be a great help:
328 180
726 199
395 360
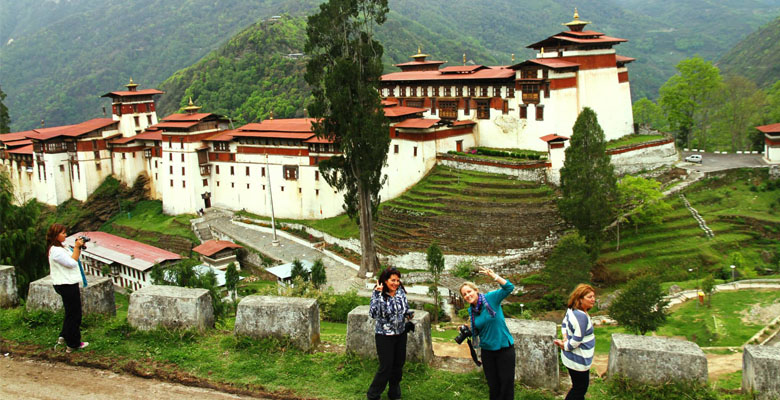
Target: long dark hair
385 275
51 236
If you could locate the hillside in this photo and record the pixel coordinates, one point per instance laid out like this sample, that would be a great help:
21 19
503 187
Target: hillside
757 57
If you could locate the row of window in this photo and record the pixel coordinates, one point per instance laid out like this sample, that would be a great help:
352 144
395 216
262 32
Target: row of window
450 91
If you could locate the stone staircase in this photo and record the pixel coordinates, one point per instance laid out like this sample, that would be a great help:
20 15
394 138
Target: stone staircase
702 224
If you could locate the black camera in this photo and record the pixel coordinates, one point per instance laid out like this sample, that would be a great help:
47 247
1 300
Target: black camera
84 240
464 334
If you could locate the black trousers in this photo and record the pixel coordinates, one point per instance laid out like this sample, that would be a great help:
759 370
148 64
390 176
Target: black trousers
391 350
499 368
71 325
579 384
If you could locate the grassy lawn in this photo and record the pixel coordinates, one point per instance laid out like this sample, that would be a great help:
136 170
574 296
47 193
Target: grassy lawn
148 216
340 226
632 139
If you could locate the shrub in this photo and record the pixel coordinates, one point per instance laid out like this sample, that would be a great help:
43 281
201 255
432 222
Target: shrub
443 317
335 307
463 313
464 269
550 301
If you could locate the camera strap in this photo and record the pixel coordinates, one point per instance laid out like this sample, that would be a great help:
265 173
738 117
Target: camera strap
473 353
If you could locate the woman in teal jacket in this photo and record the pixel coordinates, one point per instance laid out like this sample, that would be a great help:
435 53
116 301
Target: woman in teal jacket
491 334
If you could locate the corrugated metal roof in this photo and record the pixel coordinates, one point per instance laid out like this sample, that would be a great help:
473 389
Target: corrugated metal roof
417 123
553 138
485 73
403 110
123 251
22 150
280 125
771 128
74 130
211 247
127 93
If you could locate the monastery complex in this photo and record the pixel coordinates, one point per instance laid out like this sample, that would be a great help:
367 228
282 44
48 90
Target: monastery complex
194 160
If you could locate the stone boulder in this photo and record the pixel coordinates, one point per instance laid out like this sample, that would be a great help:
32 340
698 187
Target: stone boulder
8 294
360 335
170 307
536 357
96 298
655 359
761 371
296 319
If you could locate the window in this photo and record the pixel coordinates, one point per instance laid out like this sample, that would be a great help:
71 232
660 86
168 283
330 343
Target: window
291 172
433 106
137 120
171 182
170 156
181 143
155 163
232 171
217 168
124 156
282 187
262 171
395 149
483 109
547 90
530 93
263 187
149 119
505 106
447 91
170 169
483 91
448 109
232 184
458 91
247 186
155 176
170 140
182 171
414 103
217 183
466 106
182 157
247 171
510 91
205 182
528 74
316 175
183 184
299 190
523 111
415 151
413 92
539 113
221 146
316 192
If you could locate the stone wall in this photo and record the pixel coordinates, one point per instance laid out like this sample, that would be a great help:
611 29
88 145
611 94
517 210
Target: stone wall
761 371
644 156
96 298
8 293
360 336
536 357
296 319
535 171
170 307
655 359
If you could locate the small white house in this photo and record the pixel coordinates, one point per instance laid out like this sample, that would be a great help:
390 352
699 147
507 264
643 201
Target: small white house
283 272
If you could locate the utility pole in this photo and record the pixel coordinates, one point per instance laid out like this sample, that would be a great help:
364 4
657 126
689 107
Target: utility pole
275 240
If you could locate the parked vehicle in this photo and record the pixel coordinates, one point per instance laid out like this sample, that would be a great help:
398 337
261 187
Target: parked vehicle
694 158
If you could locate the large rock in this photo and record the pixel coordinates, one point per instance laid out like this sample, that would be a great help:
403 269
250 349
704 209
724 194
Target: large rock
360 335
536 357
96 298
655 359
8 294
296 319
171 307
761 371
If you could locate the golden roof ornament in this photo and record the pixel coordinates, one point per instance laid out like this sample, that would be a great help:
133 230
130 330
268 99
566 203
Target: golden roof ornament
132 85
464 58
272 115
513 58
419 56
576 24
191 107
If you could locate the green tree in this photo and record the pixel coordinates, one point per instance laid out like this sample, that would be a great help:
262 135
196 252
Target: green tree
649 114
739 110
686 97
641 306
708 287
5 119
343 71
568 265
231 280
318 275
435 261
298 270
773 104
22 237
588 182
640 201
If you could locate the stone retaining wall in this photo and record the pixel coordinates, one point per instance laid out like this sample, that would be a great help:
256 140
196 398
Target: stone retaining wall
170 307
360 336
536 358
655 359
9 296
296 319
761 371
96 298
644 156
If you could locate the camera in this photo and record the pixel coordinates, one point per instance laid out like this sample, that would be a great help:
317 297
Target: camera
465 333
84 239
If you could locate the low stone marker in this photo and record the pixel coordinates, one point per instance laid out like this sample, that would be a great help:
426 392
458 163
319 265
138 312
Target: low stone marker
360 335
761 371
293 318
655 359
8 294
536 357
96 298
171 307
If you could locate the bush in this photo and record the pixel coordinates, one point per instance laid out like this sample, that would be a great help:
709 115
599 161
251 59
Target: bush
463 313
465 269
443 317
550 301
335 307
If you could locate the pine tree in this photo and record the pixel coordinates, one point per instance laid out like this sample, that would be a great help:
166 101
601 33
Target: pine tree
641 306
5 119
435 266
318 275
588 182
298 270
231 280
344 71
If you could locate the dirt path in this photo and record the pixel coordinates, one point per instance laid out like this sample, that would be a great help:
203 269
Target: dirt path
41 380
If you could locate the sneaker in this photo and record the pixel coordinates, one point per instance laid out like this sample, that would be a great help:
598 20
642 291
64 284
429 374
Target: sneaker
60 340
80 346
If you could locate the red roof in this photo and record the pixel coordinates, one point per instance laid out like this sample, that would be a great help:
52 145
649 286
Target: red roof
417 123
403 110
384 103
315 139
126 246
14 136
464 122
553 138
406 64
127 93
771 128
456 69
280 125
624 59
22 150
222 136
271 134
176 124
74 130
554 63
186 117
211 247
484 73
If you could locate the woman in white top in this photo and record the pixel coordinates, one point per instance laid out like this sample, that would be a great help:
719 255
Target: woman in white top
578 342
66 278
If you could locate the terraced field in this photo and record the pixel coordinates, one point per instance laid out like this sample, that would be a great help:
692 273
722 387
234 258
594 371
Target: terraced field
741 214
468 212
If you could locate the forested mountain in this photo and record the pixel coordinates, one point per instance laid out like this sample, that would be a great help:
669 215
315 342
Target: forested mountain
65 54
757 57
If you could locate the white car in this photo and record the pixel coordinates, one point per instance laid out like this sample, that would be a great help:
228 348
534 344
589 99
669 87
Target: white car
694 158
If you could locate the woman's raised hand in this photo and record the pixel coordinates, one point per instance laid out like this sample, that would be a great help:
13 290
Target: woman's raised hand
378 286
489 272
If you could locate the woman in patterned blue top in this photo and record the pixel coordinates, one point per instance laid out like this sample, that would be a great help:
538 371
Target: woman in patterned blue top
578 341
391 310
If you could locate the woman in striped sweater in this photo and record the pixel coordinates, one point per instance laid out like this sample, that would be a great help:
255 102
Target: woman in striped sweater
578 340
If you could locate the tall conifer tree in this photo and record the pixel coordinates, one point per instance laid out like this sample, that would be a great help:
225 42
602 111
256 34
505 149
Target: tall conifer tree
344 72
588 182
5 119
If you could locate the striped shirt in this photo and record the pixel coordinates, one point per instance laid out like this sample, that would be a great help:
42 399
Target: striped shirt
389 312
580 342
